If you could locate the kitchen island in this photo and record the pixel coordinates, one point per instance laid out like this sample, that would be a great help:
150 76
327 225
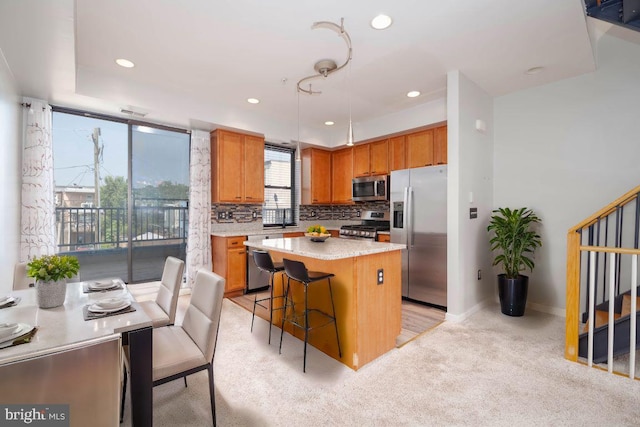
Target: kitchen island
368 313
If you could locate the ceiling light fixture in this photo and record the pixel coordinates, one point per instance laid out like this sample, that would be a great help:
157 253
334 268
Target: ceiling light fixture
329 123
413 93
298 141
125 63
381 22
253 100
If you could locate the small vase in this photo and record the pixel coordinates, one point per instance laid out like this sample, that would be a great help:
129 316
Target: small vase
51 294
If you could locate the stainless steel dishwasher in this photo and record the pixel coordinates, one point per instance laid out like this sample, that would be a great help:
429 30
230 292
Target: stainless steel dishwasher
256 279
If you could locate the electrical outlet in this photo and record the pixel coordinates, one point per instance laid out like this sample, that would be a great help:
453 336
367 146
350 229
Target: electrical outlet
254 215
358 213
479 274
344 214
230 215
222 215
313 213
380 276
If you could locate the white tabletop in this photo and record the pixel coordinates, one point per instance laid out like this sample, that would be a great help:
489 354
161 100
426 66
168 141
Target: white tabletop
330 249
63 326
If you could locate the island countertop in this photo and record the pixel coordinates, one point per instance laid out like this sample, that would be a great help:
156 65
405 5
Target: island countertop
330 249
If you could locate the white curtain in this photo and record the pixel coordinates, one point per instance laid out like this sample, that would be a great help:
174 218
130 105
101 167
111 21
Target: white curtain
38 202
199 239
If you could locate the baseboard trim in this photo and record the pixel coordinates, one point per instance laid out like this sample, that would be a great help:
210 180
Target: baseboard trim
460 317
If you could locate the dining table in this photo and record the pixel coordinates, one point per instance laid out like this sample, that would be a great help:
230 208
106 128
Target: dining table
75 354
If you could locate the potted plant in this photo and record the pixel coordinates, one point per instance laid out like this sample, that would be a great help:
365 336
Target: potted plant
51 273
515 240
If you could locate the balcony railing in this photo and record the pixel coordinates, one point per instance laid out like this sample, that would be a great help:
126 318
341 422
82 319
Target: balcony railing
79 229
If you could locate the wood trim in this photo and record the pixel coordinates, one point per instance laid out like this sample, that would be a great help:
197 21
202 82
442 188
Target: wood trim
611 207
625 251
573 297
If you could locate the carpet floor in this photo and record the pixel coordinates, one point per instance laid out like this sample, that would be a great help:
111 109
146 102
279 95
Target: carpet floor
489 370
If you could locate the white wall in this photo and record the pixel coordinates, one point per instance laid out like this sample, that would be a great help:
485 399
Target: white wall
470 158
567 149
10 171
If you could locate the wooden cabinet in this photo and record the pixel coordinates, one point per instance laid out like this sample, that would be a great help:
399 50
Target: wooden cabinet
420 149
293 234
237 168
341 175
397 153
383 238
229 257
440 145
371 158
316 176
379 157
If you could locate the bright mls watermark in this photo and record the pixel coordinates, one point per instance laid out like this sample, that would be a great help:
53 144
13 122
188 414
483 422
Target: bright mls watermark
36 415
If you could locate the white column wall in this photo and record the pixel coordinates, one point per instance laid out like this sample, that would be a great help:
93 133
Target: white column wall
470 184
567 149
10 175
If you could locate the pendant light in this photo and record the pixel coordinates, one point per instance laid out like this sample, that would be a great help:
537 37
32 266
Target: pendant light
350 131
298 158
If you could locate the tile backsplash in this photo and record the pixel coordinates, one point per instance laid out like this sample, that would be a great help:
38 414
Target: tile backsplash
251 215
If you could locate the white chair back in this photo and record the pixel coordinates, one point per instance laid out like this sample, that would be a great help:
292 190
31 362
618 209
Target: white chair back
202 317
20 278
169 289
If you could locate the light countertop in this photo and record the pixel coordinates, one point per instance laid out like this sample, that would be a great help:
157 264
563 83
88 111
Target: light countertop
331 249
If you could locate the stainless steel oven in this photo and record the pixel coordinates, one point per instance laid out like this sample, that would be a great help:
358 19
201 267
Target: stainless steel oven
370 188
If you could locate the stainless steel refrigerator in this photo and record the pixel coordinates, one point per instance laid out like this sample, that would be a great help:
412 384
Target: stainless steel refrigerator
418 201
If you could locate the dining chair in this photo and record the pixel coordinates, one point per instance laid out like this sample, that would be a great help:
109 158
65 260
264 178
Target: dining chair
179 351
20 278
162 310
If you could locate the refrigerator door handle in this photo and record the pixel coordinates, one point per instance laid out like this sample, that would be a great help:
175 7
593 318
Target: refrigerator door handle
409 208
405 215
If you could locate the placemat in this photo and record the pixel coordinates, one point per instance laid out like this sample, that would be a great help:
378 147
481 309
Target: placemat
89 315
87 290
22 339
15 301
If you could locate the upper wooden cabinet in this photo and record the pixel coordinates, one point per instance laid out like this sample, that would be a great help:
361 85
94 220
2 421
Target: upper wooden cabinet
397 153
420 149
237 167
379 157
316 176
371 158
440 145
361 160
342 175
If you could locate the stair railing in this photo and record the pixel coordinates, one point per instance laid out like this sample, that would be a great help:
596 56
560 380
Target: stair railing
594 277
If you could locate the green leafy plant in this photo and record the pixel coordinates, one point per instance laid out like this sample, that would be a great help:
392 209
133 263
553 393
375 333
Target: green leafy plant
51 268
514 237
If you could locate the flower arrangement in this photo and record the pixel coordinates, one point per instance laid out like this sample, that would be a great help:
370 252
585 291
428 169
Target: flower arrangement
316 230
52 268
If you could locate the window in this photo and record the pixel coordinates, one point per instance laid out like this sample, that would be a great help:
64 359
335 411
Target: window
279 200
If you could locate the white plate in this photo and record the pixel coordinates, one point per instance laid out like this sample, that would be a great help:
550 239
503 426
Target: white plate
22 329
6 300
102 285
97 309
7 329
108 303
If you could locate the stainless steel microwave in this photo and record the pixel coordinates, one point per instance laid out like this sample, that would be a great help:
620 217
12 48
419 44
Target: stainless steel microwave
370 188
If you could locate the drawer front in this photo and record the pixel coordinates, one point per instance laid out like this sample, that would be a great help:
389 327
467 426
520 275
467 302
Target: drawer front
236 242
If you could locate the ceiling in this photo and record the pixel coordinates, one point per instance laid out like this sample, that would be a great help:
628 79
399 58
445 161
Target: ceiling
197 61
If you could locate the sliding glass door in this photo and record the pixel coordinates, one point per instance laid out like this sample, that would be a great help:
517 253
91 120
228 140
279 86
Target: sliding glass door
160 196
121 195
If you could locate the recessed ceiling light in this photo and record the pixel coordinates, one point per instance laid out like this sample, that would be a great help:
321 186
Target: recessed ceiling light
329 123
413 94
534 70
253 101
125 63
381 22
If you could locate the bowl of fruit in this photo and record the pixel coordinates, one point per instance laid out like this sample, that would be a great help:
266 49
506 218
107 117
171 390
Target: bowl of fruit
317 233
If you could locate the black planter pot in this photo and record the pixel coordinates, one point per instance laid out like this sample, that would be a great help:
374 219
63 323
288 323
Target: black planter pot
513 294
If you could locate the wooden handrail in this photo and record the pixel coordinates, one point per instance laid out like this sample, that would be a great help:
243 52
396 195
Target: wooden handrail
574 249
611 207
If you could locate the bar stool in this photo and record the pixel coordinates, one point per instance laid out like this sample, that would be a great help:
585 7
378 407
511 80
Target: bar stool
265 263
297 271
